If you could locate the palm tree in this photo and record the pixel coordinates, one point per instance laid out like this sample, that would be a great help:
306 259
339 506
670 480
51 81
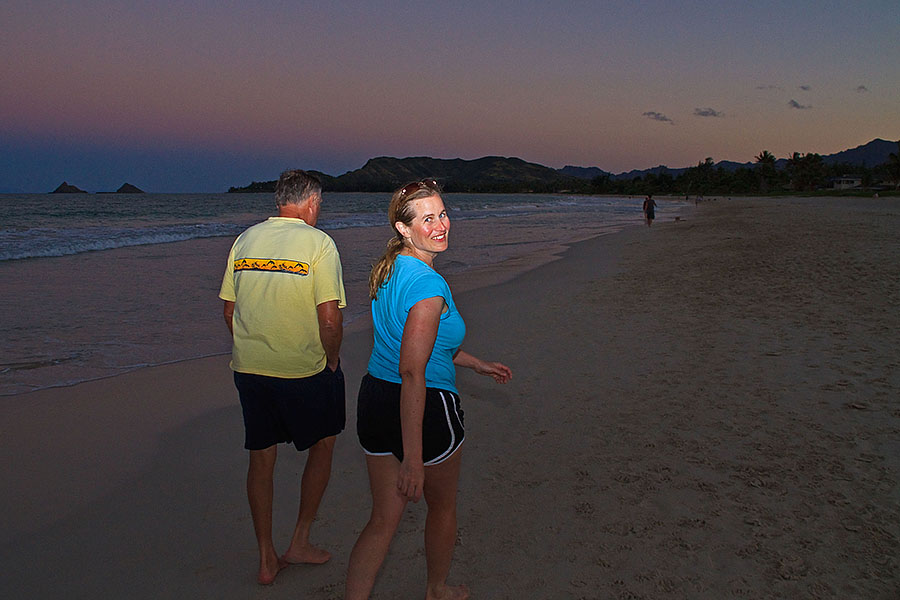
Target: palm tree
807 170
765 157
765 162
705 175
815 170
893 167
794 166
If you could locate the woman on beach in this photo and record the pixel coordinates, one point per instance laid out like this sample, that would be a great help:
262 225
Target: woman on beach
409 419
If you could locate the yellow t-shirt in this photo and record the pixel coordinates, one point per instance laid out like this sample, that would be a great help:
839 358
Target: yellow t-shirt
278 272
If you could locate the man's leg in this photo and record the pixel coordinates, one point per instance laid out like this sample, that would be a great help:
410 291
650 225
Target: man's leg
312 488
259 492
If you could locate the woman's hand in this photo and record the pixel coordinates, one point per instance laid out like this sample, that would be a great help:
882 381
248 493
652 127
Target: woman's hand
411 479
500 372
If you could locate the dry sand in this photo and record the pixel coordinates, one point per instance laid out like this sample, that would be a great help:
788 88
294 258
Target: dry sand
704 409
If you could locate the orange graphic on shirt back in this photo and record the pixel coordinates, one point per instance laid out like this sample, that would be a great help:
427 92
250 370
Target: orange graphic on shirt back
271 264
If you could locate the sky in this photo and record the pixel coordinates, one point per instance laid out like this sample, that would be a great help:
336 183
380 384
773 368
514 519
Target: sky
200 95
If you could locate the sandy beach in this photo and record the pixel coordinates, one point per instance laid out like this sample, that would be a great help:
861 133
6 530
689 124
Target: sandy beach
707 408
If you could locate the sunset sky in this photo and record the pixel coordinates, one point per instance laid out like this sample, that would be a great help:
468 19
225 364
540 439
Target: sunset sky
196 96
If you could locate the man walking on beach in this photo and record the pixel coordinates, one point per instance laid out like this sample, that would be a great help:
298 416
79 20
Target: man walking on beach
283 291
649 209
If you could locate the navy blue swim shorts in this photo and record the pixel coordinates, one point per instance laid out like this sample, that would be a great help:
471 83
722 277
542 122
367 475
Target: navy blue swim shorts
302 411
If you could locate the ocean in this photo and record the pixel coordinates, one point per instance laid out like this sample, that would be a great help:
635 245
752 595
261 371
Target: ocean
99 284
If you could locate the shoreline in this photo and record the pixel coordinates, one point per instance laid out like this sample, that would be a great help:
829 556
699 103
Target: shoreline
84 395
198 319
706 408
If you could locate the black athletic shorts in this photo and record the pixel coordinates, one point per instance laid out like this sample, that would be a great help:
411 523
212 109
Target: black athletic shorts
302 411
378 421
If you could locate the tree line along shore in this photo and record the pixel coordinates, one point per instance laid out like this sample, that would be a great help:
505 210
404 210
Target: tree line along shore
842 173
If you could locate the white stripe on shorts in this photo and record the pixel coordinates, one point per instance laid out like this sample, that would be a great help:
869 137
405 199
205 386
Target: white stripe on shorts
376 453
452 448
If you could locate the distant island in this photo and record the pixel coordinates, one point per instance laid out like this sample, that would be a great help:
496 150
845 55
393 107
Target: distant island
125 188
872 166
65 188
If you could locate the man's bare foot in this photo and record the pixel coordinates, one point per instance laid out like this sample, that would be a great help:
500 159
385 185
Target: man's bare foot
448 592
309 555
268 569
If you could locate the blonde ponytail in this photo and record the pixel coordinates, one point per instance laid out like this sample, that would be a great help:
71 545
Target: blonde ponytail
382 270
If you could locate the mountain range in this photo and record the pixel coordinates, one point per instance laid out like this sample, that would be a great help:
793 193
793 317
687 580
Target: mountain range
874 153
487 174
513 175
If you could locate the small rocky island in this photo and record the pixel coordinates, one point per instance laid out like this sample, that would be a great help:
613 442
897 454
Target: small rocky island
127 188
65 188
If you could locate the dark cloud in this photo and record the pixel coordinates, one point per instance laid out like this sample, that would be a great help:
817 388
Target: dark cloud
797 105
707 112
657 116
862 89
805 88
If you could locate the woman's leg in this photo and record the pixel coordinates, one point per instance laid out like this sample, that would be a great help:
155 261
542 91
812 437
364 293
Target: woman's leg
440 527
375 539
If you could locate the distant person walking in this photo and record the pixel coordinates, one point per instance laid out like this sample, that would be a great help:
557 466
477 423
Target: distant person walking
283 291
409 419
649 209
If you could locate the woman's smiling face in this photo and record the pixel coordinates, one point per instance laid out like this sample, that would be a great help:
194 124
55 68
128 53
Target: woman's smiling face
429 231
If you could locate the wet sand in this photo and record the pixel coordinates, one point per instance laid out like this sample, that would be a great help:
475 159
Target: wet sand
703 409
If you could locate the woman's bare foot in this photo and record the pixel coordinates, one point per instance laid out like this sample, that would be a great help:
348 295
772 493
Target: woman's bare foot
308 554
448 592
268 569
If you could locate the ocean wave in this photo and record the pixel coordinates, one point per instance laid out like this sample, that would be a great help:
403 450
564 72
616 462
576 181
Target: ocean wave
24 242
45 242
48 242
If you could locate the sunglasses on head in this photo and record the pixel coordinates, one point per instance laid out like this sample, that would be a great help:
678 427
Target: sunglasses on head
415 186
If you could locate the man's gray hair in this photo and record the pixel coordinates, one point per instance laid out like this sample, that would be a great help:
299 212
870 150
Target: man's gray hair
296 187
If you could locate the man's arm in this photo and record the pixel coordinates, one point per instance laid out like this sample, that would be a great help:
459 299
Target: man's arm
331 331
229 315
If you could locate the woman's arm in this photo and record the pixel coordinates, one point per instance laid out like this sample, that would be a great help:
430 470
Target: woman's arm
416 345
500 372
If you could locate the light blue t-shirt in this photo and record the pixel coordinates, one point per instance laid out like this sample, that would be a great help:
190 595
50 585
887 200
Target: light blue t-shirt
412 281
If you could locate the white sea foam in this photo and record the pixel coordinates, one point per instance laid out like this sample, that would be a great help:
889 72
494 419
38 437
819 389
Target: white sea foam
46 242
